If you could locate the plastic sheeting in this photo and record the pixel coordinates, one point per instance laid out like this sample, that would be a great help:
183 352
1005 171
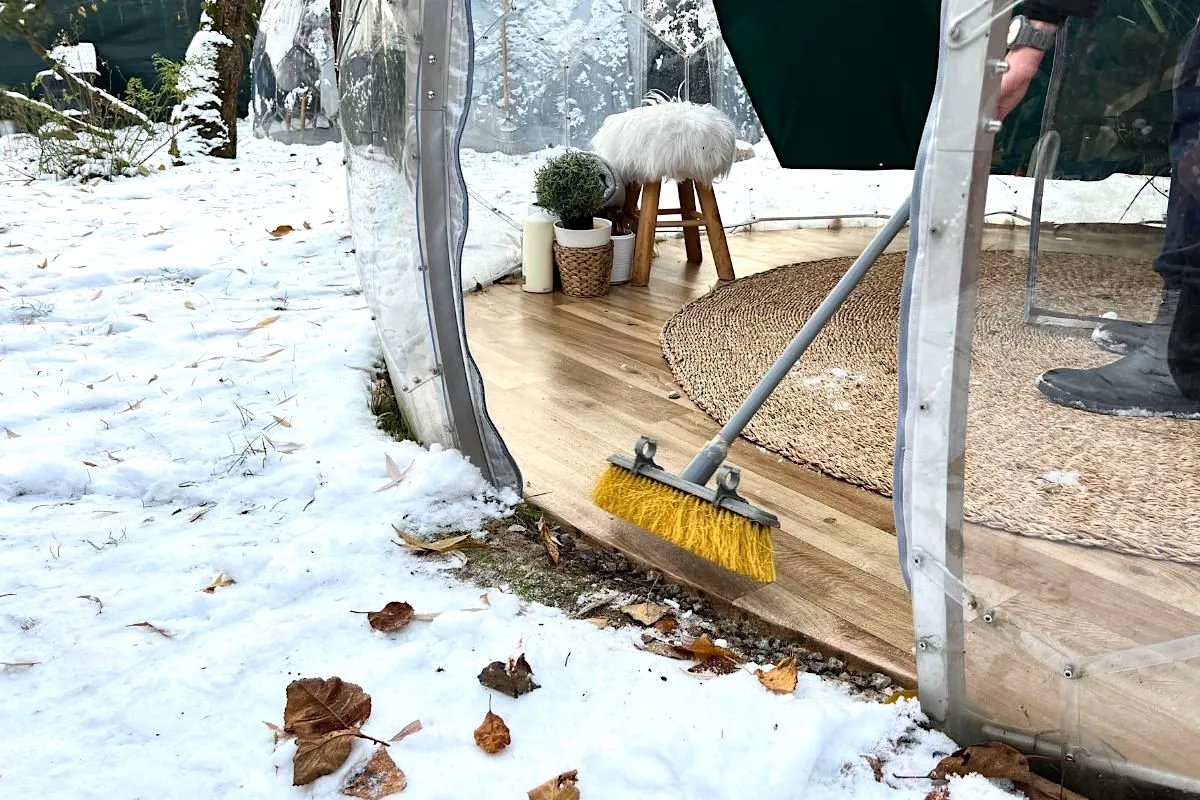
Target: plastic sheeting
404 86
1055 567
295 96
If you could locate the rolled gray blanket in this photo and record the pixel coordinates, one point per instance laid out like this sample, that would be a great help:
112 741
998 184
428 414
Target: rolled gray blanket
614 188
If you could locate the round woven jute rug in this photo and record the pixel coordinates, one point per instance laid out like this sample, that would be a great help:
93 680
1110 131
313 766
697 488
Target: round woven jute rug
1130 484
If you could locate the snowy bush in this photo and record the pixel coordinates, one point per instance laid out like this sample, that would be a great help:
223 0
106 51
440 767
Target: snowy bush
202 130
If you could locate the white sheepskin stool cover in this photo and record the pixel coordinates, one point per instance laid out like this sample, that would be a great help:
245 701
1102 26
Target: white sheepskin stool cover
673 139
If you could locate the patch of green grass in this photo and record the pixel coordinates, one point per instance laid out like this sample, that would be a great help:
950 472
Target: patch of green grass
386 408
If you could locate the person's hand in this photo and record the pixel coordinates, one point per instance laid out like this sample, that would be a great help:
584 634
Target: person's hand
1023 64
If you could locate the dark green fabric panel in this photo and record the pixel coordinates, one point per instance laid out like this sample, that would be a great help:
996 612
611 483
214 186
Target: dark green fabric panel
838 84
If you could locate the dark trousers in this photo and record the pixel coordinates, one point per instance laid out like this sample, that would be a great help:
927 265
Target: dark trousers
1179 262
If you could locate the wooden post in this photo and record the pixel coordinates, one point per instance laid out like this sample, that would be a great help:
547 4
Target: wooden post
647 227
687 211
716 232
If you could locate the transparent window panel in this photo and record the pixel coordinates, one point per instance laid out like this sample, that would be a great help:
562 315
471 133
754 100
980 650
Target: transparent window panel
379 65
1081 553
294 88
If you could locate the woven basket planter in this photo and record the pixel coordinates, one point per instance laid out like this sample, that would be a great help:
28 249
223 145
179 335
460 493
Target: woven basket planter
585 271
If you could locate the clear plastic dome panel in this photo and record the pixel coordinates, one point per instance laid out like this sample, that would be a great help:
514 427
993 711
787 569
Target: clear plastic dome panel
294 87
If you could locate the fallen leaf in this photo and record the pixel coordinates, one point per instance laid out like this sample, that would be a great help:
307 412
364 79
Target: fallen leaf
599 622
278 733
714 666
45 263
94 599
663 649
321 756
307 227
262 324
318 706
513 679
141 316
991 760
462 542
281 421
9 433
548 541
903 694
199 515
645 613
261 359
666 625
391 618
189 305
148 626
407 730
132 407
153 378
282 230
703 649
492 735
377 778
395 474
561 787
938 793
221 581
88 464
876 767
781 678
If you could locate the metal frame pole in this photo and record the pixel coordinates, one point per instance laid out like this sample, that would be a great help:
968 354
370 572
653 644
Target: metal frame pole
949 200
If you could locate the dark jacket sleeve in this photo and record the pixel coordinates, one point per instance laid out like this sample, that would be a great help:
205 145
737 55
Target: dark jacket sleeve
1058 10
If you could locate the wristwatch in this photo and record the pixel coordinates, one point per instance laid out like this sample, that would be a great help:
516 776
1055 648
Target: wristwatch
1021 33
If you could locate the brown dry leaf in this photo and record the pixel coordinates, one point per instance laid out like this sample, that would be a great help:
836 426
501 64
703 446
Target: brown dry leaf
282 230
407 730
447 545
549 541
153 378
492 735
714 666
220 582
377 778
781 678
391 618
560 787
321 756
666 625
318 706
663 649
991 760
903 694
513 679
88 463
599 622
645 613
262 324
703 649
281 421
876 767
148 626
938 793
9 433
307 227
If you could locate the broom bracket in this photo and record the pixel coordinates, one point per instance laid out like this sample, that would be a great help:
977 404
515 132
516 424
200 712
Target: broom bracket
643 454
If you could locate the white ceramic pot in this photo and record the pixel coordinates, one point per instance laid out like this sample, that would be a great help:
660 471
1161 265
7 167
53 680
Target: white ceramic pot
623 246
598 236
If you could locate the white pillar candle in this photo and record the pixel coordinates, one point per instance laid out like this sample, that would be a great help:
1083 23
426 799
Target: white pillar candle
537 257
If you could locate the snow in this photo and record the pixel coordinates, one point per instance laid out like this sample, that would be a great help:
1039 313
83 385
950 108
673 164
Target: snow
183 396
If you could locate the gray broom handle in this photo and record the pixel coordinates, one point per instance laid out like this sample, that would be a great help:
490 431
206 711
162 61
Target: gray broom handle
710 457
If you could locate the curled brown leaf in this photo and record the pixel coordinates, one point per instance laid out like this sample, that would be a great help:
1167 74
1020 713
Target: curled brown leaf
492 735
391 618
781 678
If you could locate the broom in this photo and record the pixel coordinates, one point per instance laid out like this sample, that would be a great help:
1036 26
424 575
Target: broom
718 524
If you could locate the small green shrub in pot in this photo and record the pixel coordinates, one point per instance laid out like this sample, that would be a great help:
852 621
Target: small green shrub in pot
570 186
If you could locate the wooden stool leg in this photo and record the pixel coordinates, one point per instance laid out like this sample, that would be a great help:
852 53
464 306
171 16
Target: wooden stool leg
629 209
643 252
691 234
716 233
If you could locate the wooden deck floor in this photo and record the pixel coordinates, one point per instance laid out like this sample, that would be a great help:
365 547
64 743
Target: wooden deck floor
571 381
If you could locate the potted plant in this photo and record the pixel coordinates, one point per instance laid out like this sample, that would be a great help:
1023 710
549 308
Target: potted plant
570 187
623 239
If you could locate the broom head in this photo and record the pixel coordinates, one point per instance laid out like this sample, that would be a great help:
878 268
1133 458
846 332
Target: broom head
716 525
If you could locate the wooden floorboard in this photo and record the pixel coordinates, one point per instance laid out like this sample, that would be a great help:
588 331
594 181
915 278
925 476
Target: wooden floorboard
570 381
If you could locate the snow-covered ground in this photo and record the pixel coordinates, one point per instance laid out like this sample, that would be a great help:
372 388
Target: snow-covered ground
183 395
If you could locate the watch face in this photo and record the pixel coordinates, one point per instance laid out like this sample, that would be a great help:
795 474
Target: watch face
1014 28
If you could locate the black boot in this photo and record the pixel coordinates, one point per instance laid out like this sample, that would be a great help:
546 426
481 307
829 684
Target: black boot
1123 337
1143 383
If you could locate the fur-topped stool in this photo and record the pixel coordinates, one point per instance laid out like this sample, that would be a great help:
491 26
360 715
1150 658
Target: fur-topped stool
688 143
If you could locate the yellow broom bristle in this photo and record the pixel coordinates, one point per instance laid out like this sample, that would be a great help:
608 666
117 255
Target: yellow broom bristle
722 537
